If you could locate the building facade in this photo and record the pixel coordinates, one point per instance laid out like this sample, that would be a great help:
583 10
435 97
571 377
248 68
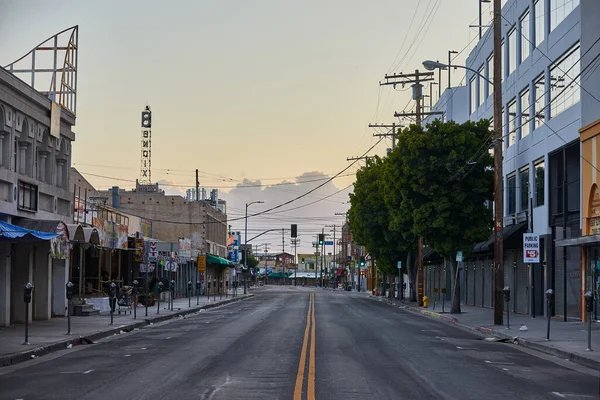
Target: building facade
547 78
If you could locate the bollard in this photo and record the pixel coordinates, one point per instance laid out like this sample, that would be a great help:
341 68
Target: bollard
443 298
214 290
69 286
549 298
226 289
506 291
589 307
159 289
113 300
135 292
172 292
198 287
27 289
189 293
220 290
208 290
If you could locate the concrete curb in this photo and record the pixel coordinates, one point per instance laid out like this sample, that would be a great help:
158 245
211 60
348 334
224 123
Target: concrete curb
546 349
15 358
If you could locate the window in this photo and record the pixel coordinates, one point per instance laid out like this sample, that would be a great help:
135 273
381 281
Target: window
539 93
539 14
473 95
512 51
512 122
482 84
524 188
564 83
490 74
559 10
27 196
524 113
525 36
15 155
511 184
539 183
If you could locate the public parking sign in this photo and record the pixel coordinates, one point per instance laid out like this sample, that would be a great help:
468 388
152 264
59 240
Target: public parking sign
531 248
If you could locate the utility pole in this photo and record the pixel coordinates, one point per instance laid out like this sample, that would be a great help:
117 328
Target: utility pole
498 184
366 158
391 133
416 81
295 243
316 258
450 52
322 259
197 187
283 253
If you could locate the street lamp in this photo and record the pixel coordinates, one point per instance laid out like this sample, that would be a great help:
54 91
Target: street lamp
246 241
433 65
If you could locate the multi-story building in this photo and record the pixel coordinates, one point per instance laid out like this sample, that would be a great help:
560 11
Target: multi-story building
172 217
547 78
35 158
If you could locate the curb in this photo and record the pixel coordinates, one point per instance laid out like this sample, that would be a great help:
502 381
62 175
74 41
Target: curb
15 358
549 350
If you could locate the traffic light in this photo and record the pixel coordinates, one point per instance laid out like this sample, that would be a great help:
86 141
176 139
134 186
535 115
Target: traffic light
147 118
321 238
294 230
362 261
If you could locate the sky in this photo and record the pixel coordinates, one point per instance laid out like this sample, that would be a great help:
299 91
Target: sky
251 93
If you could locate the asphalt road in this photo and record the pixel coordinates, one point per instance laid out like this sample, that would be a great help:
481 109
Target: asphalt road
298 343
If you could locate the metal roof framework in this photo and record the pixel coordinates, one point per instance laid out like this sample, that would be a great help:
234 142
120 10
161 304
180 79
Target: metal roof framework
55 57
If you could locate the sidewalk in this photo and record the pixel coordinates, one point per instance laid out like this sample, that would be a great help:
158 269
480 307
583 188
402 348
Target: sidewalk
51 335
568 340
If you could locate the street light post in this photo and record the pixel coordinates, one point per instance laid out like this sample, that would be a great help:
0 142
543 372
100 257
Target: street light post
246 243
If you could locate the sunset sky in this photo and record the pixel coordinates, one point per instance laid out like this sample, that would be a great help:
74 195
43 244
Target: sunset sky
262 91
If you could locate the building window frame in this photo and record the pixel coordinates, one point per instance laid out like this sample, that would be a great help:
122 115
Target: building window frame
511 194
27 196
539 167
524 188
525 35
524 112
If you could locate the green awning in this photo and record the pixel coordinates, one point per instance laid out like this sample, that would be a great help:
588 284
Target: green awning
210 259
279 275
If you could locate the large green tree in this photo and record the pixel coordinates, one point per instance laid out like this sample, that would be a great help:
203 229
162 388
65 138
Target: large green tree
437 183
369 217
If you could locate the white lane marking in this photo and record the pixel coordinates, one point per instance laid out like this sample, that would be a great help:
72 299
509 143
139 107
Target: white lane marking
498 362
127 355
565 395
88 371
169 338
466 348
143 348
77 372
504 369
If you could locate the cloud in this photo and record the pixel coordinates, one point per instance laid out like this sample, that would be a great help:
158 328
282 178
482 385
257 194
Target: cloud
311 213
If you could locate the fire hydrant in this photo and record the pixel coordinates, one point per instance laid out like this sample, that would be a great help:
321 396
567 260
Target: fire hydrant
425 299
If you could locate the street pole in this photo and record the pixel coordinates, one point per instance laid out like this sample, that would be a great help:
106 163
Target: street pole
283 253
450 52
323 259
498 183
420 283
245 246
316 258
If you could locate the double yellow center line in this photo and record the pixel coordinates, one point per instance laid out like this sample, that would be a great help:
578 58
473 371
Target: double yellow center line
310 328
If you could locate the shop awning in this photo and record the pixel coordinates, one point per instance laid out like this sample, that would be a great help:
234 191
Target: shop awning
210 259
16 234
590 240
510 231
83 235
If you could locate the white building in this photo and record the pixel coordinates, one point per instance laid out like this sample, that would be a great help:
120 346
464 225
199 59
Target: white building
544 101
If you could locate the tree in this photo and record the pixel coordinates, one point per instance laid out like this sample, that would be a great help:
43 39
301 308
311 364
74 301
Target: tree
252 261
438 182
369 217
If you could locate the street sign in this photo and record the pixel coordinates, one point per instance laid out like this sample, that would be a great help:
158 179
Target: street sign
399 264
459 256
201 263
329 243
531 248
152 250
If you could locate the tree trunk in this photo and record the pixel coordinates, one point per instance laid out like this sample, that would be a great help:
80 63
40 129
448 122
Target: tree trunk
412 278
455 275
